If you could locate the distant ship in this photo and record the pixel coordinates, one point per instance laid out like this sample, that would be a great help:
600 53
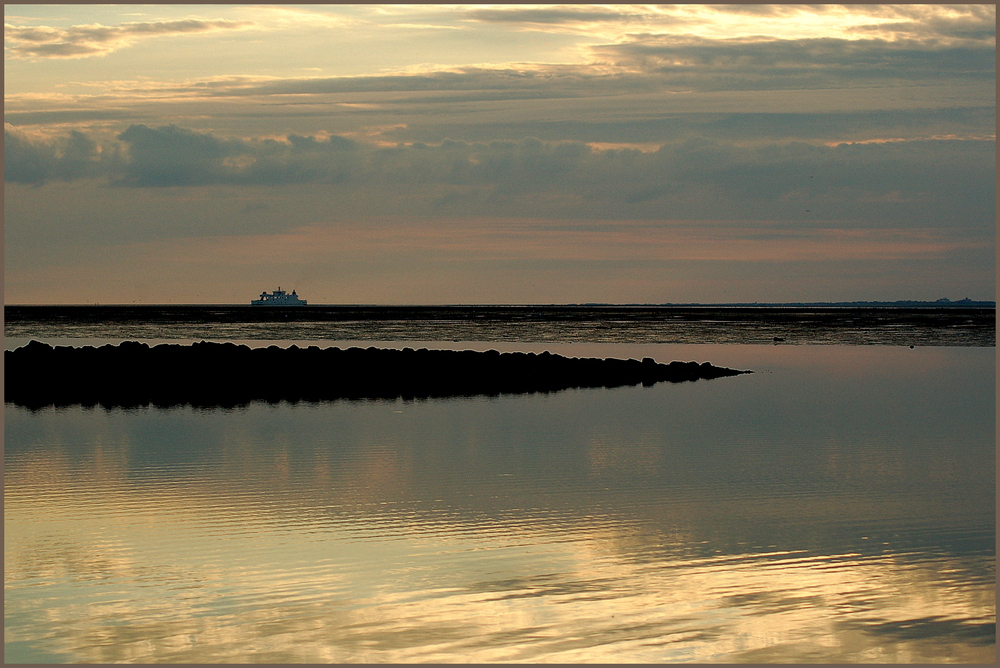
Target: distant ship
278 298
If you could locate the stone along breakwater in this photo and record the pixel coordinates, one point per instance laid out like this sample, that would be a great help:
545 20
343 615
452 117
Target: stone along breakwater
225 374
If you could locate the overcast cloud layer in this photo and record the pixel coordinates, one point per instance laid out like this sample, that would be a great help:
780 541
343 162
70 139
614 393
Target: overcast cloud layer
637 137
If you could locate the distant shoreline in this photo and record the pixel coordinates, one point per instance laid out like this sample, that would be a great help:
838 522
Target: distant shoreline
940 303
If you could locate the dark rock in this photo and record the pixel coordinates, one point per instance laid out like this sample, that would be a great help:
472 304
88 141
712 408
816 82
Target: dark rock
225 374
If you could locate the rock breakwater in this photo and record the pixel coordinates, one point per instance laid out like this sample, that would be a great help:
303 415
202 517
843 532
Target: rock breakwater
134 374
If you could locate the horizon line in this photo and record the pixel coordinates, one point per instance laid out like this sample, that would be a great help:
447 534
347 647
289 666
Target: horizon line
877 302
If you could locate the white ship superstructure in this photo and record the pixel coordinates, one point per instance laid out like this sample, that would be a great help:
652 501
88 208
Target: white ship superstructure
278 298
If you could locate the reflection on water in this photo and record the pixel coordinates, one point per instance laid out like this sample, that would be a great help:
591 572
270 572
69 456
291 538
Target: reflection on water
837 505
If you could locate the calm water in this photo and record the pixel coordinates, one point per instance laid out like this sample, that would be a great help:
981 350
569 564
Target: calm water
836 506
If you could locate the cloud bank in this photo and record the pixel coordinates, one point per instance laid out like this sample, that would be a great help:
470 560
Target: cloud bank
941 24
943 182
638 89
85 41
739 64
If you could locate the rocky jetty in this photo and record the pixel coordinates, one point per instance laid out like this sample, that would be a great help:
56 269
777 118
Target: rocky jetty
224 374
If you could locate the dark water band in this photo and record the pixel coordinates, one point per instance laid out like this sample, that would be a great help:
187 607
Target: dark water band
225 374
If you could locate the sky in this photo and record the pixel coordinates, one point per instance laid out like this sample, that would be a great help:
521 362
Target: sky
499 154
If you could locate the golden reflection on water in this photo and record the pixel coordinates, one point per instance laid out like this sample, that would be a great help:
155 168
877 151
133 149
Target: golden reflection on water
674 612
486 530
182 575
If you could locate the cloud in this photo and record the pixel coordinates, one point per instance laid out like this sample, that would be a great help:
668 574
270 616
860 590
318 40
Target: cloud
66 158
84 41
744 63
906 183
648 77
547 14
941 24
642 82
173 156
470 78
934 23
681 62
562 15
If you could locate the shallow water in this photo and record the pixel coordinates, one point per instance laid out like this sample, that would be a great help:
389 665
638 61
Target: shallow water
962 327
838 505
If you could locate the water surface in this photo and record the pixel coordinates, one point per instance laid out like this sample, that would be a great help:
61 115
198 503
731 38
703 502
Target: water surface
924 326
836 506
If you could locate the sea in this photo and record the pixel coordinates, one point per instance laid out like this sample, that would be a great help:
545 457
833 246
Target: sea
837 505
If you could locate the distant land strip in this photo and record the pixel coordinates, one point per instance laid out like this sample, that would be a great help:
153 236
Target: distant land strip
830 315
907 303
134 374
900 303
